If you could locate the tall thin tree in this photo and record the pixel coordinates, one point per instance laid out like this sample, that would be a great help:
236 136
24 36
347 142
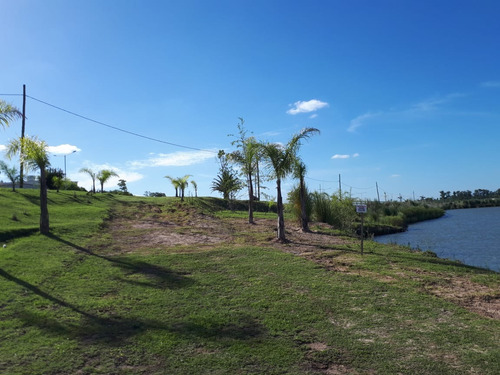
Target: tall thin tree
183 184
299 172
175 184
280 160
246 157
195 186
34 155
92 174
104 175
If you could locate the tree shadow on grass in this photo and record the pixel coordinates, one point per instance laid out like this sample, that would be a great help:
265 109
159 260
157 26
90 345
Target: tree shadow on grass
11 234
115 330
161 277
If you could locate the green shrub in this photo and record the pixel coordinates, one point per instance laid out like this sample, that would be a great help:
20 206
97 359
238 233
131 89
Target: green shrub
295 205
321 207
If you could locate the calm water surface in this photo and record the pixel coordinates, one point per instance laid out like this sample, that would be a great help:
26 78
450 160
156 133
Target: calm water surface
470 235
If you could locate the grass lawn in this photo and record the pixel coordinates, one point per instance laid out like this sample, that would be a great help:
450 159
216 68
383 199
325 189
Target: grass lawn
95 298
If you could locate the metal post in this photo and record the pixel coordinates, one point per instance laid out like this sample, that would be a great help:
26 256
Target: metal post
362 232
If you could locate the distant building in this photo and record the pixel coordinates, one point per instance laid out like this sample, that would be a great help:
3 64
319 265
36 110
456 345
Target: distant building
31 182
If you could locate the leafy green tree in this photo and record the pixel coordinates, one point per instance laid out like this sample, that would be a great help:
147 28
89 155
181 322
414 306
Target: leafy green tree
227 181
104 175
246 157
280 160
34 155
154 194
11 173
51 173
57 182
122 185
8 113
92 175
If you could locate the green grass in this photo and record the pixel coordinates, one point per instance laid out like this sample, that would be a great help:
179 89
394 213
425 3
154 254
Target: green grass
67 305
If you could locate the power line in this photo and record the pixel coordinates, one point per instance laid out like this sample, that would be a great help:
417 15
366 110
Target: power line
115 127
358 188
349 186
314 179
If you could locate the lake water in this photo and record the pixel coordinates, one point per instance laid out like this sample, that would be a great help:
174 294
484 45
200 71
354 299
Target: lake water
469 235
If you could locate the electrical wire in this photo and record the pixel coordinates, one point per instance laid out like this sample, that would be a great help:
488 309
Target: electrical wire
117 128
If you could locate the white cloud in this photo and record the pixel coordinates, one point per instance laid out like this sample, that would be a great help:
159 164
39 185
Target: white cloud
395 175
491 84
433 103
361 120
339 156
85 180
345 156
420 108
305 107
63 149
3 148
175 159
313 115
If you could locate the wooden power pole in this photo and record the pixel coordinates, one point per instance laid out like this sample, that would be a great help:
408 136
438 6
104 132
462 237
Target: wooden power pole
340 188
21 167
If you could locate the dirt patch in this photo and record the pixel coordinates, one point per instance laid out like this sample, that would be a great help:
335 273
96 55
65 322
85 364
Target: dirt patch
184 228
475 297
318 346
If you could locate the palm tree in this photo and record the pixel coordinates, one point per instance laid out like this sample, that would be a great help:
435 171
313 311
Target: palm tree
92 175
104 175
8 113
280 161
10 172
175 184
180 184
195 186
183 184
246 158
226 182
34 155
299 171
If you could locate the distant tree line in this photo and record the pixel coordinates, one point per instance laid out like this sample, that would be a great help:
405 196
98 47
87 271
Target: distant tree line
468 199
467 194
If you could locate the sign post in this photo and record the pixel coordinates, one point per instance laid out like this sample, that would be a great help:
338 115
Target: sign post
362 209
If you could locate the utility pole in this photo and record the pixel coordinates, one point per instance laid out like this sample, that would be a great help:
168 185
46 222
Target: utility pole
21 168
340 188
378 195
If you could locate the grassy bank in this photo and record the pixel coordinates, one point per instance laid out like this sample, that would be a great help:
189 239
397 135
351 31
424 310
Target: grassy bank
95 298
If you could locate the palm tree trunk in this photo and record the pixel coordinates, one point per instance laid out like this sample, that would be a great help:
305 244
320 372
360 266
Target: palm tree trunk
303 212
281 219
44 211
250 199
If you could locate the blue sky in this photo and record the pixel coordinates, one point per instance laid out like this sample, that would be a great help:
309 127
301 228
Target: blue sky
406 94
